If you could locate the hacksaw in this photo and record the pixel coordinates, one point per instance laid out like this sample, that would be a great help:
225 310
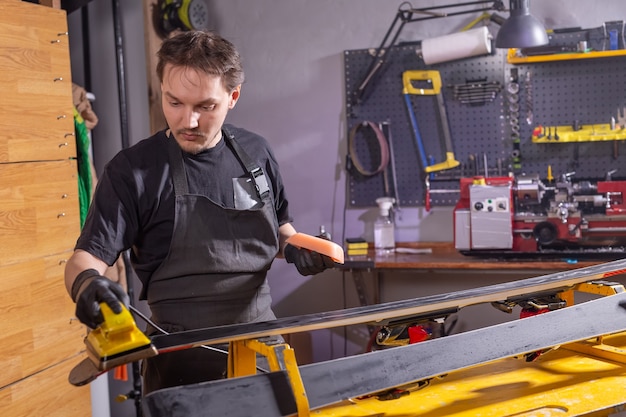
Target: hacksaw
434 79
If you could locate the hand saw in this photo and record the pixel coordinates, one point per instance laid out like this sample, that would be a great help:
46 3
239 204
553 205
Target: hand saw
378 314
433 77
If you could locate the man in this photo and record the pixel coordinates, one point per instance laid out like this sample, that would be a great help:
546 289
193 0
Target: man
202 206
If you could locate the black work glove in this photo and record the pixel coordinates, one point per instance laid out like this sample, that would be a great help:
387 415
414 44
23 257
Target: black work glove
308 262
89 290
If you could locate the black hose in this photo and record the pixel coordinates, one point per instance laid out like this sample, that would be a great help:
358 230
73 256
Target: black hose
121 88
121 76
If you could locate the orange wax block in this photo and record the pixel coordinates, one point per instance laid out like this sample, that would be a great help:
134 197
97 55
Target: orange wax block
317 244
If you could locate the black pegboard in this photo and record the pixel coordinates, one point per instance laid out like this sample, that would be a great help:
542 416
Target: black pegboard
550 93
476 130
566 92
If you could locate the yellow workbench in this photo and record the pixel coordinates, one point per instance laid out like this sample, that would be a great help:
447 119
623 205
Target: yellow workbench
559 383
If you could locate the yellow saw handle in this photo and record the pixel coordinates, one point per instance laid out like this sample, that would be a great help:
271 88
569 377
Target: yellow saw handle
449 163
416 75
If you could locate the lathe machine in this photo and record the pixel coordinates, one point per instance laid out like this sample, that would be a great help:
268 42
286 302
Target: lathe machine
525 215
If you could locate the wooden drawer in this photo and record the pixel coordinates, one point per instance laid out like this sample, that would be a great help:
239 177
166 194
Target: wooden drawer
38 329
39 215
46 394
36 118
39 209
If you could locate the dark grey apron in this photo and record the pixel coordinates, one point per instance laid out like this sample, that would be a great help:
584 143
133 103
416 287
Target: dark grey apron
215 271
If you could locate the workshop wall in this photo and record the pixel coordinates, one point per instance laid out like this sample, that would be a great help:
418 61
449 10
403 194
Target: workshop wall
293 53
501 117
294 95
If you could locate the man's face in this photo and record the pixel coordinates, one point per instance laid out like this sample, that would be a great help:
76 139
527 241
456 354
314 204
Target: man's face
195 105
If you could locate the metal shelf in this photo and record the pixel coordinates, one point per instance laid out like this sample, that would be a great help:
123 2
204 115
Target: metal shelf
588 133
514 56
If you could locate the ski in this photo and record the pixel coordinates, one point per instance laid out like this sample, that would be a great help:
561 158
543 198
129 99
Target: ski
338 380
378 314
381 314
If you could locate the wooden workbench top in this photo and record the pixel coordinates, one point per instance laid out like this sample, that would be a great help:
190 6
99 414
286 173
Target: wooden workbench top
445 256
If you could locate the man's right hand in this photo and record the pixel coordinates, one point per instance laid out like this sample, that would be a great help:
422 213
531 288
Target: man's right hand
89 290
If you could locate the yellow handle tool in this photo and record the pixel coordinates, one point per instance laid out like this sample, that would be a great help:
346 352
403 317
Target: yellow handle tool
434 79
116 340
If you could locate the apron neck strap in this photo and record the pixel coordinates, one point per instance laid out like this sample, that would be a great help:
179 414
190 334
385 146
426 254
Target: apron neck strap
256 173
179 176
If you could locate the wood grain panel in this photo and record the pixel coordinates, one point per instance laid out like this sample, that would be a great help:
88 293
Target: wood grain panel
51 3
36 119
153 43
39 209
46 394
39 216
40 329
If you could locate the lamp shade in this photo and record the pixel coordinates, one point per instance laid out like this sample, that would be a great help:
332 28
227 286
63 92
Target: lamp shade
521 30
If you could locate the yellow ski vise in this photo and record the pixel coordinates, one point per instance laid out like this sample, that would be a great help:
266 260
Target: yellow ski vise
433 77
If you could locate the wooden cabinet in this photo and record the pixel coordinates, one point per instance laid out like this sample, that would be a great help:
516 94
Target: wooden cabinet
39 215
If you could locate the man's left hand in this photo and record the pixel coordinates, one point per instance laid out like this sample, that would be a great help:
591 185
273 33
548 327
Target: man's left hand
308 262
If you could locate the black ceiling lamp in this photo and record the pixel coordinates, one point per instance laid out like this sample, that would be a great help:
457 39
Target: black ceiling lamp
521 29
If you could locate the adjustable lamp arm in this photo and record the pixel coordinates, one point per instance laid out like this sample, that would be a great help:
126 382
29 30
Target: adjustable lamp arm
407 15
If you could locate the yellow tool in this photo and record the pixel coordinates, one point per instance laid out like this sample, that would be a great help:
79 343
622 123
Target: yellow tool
117 340
433 77
587 133
550 177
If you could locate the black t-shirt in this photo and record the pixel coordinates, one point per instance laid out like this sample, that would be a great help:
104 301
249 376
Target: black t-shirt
134 202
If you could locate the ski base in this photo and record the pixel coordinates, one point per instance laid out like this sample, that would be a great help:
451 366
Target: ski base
335 381
85 372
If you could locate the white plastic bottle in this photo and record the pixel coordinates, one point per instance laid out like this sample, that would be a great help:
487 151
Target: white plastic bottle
384 229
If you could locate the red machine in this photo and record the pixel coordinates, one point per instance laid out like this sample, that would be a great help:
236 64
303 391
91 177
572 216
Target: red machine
524 215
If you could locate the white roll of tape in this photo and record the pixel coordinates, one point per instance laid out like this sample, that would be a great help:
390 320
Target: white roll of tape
456 46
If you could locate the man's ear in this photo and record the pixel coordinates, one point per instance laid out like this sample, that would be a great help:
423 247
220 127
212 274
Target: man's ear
234 96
